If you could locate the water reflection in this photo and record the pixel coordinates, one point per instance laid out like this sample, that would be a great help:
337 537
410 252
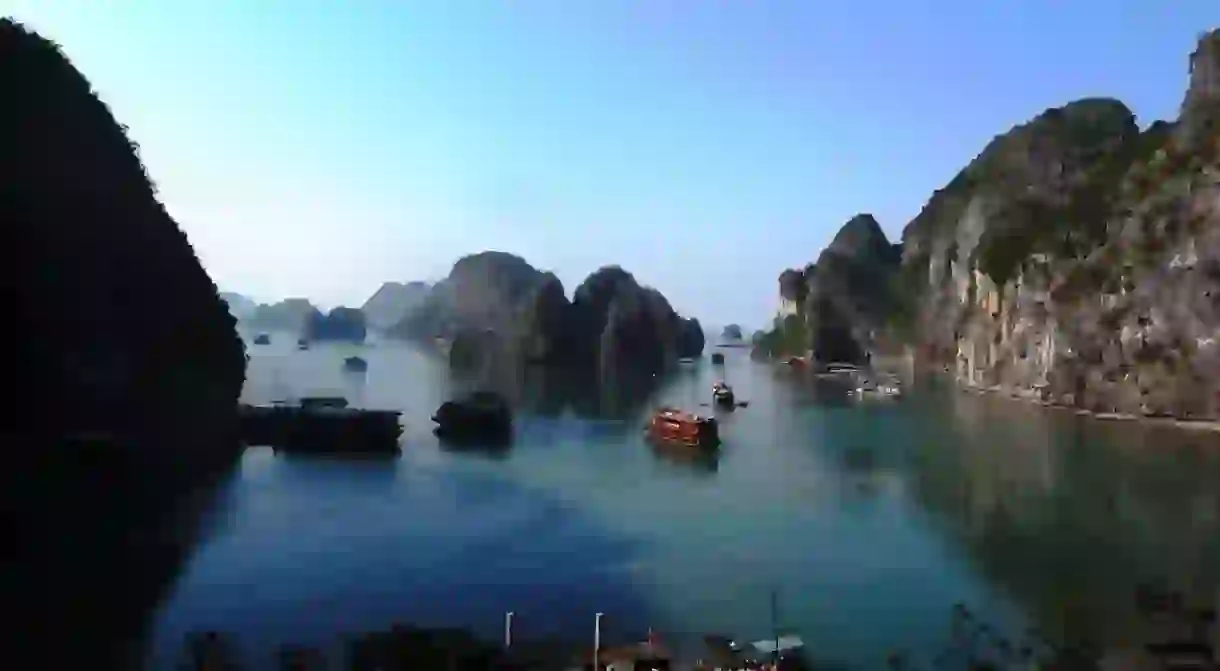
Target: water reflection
1070 515
695 460
85 580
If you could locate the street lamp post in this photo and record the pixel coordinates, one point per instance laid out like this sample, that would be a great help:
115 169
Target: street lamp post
508 629
597 642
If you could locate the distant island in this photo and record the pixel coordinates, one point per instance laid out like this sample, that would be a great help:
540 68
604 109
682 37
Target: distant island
287 315
392 302
340 324
495 306
1073 261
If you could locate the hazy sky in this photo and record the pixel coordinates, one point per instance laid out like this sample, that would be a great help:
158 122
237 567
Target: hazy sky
318 149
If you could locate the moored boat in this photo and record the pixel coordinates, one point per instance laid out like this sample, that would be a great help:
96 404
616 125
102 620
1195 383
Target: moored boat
302 344
670 425
722 395
480 416
262 339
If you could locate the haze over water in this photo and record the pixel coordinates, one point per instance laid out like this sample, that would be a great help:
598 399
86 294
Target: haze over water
871 521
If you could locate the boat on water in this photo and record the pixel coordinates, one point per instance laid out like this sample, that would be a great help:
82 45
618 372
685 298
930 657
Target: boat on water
355 364
722 395
262 339
718 358
302 344
678 427
479 416
886 388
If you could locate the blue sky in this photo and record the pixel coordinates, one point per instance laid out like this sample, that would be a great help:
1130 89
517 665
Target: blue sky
319 148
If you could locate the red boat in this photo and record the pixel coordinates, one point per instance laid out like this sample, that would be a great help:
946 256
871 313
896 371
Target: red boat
678 426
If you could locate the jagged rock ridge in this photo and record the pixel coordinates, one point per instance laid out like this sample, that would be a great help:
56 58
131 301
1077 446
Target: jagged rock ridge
345 324
290 314
499 305
1078 258
833 308
392 302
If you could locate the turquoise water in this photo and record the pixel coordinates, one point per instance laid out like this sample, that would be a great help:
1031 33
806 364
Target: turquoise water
869 521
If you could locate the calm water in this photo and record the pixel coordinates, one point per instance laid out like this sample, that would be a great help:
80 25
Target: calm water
871 521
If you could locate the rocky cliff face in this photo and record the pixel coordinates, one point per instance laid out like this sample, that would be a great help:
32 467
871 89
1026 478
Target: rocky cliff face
90 244
834 308
1080 257
126 368
499 306
392 302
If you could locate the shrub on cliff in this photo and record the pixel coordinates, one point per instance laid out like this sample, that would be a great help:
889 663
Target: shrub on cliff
120 326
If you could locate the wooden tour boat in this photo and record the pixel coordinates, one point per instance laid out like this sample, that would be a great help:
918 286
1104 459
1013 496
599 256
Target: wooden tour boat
671 425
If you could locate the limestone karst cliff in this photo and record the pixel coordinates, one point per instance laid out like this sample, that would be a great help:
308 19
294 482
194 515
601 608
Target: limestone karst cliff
125 370
341 324
392 302
1077 258
92 249
834 307
499 305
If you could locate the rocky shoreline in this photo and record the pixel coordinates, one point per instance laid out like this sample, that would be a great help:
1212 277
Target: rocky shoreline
1032 397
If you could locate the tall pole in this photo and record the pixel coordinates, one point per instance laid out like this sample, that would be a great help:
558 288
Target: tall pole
597 641
508 629
775 625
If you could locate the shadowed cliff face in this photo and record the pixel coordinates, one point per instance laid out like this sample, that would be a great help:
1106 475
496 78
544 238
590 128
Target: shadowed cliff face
499 311
840 301
345 324
126 367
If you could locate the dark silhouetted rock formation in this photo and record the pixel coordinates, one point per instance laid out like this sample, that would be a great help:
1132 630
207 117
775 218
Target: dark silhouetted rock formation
392 302
287 315
691 339
841 301
345 324
495 306
126 369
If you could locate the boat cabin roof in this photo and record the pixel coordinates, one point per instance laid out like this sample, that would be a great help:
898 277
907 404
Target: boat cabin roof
676 415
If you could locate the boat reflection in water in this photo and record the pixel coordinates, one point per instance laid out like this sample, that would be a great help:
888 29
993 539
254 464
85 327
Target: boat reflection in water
704 461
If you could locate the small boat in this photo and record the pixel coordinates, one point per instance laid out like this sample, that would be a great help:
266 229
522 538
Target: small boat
317 402
670 425
795 362
718 358
480 416
886 389
722 395
355 364
262 339
302 344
